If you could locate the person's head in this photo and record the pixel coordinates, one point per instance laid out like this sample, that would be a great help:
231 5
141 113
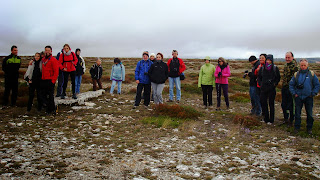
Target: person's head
253 59
222 61
78 51
304 64
159 56
269 59
145 56
174 53
37 56
47 51
66 48
289 57
207 59
98 61
116 61
145 52
42 54
262 58
14 50
152 56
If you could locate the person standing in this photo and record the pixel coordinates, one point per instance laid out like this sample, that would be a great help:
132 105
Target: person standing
176 66
80 70
206 81
50 73
254 92
118 74
96 74
68 60
287 103
304 85
268 79
158 73
222 74
143 80
33 77
10 67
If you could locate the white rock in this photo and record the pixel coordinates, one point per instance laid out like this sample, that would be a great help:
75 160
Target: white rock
182 167
196 175
128 150
219 177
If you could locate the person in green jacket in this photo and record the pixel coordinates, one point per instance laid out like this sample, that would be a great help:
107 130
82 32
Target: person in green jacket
206 81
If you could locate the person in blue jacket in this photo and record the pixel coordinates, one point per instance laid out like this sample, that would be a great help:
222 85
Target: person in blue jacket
143 80
304 85
118 73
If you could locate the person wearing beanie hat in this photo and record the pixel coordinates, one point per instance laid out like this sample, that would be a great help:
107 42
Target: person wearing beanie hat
254 90
268 79
80 70
152 57
143 80
206 81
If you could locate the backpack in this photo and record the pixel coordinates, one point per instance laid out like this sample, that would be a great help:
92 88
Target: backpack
72 53
296 76
174 68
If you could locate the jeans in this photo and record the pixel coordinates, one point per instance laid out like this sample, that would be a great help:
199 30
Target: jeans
157 92
146 93
224 87
65 81
113 84
264 98
60 83
308 103
287 104
175 81
207 94
255 100
48 95
10 84
78 83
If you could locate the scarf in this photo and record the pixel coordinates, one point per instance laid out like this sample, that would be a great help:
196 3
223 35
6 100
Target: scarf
67 53
268 66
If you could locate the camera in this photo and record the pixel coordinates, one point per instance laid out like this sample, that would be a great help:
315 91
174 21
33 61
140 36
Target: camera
245 74
300 86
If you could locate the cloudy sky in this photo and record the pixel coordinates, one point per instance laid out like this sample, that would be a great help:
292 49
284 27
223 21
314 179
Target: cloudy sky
196 28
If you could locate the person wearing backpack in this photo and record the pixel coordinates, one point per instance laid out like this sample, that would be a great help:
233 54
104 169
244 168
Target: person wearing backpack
287 103
268 79
96 74
304 85
68 60
158 73
80 70
118 74
206 81
176 66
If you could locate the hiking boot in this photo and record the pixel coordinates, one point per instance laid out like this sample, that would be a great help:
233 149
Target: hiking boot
170 100
134 107
296 131
309 131
57 95
62 97
74 96
178 101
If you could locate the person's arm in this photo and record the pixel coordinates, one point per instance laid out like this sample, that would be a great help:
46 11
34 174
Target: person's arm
111 72
75 59
216 72
55 68
4 64
278 77
150 70
292 85
123 72
166 70
316 86
200 76
83 65
136 72
182 66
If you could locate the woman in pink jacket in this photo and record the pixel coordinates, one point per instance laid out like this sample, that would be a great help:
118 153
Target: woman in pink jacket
222 73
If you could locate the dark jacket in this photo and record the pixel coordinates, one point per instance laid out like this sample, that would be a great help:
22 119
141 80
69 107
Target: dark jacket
96 71
158 72
11 65
176 67
80 66
268 80
253 77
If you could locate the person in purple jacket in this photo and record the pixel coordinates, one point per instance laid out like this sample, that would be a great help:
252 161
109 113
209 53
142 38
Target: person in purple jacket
222 73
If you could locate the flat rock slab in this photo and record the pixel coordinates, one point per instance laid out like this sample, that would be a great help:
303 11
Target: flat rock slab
82 97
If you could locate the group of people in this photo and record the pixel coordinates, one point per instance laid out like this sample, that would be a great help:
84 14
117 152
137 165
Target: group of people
153 72
299 86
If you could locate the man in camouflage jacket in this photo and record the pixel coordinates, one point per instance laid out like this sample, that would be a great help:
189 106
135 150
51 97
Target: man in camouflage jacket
287 104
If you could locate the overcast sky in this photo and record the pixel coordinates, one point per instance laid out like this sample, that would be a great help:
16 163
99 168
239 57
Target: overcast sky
196 28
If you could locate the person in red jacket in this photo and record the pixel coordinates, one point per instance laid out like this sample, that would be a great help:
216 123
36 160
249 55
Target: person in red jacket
68 60
175 66
50 73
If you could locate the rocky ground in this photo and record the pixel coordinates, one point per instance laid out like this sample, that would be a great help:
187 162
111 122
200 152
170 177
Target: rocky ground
104 138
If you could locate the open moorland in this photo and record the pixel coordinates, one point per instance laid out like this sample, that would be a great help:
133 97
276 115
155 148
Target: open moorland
106 139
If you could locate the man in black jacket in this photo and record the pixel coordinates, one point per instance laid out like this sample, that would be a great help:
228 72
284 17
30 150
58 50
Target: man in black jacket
254 90
10 66
96 74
